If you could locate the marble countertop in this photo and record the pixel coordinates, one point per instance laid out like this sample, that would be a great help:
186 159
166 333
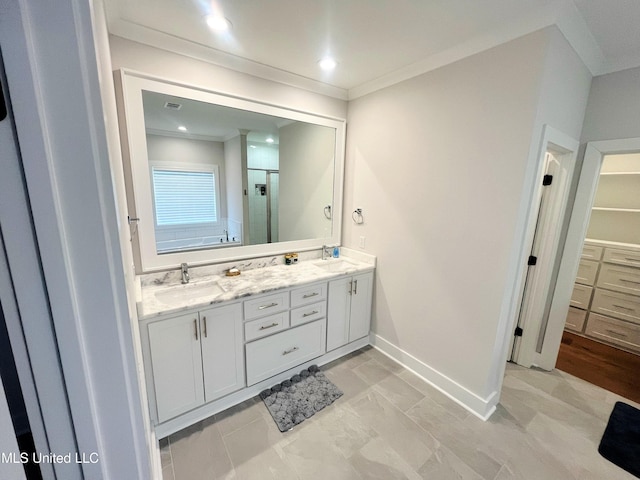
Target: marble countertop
173 297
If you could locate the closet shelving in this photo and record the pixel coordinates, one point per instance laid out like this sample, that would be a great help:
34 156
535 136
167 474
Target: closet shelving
605 304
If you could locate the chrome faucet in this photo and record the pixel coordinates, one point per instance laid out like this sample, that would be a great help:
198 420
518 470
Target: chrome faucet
184 268
327 252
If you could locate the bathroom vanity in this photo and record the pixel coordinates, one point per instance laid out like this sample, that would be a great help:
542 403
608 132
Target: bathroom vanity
219 340
199 166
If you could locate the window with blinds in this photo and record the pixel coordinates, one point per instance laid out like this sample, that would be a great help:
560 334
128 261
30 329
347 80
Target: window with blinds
184 197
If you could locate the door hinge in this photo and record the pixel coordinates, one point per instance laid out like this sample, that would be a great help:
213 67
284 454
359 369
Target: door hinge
3 105
518 332
546 180
532 260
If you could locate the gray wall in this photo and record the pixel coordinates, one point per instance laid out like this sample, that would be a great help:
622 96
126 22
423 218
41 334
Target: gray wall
613 111
442 166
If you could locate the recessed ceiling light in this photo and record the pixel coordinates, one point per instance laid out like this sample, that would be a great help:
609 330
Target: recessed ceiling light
327 64
269 140
182 128
218 23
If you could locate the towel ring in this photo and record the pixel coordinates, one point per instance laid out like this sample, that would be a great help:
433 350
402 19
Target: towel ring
357 216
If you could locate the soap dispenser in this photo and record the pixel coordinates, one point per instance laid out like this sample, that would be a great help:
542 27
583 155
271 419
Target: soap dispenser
336 251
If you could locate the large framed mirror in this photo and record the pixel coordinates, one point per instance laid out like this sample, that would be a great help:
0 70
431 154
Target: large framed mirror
213 178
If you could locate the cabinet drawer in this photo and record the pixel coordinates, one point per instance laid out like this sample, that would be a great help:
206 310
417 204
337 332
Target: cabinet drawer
620 278
266 305
271 355
618 305
308 294
614 331
587 272
575 319
592 252
308 313
262 327
630 258
581 296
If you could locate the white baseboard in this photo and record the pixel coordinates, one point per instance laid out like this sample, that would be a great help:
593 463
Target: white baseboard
480 407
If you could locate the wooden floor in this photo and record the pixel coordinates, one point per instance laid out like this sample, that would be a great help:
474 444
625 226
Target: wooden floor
607 367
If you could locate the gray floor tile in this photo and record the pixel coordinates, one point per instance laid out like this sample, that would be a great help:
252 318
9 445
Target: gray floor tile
390 424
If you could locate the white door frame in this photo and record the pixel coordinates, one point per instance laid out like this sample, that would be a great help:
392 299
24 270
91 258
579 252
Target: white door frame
585 194
535 298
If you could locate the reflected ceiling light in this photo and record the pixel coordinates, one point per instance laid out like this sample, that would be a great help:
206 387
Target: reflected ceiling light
182 128
269 140
252 146
218 23
327 64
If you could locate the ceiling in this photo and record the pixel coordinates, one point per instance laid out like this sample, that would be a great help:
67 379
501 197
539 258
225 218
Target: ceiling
375 42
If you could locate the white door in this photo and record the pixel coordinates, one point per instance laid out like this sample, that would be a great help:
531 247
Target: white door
338 312
222 350
360 319
545 253
177 365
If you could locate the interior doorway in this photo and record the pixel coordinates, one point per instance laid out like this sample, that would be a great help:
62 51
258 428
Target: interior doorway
557 166
569 261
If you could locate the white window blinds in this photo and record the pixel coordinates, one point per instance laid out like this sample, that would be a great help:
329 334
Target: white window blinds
184 197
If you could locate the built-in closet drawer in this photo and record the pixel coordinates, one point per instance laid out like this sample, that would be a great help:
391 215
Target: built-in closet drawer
622 257
265 326
620 278
271 355
618 305
614 331
266 305
581 296
575 319
592 252
308 294
587 272
308 313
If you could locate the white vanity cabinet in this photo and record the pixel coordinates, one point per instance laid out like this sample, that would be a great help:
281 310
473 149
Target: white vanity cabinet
304 330
194 358
200 359
349 309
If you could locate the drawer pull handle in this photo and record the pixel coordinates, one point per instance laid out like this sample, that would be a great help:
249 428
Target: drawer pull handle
355 287
274 324
262 307
624 308
309 295
204 320
195 327
629 281
613 332
291 350
310 313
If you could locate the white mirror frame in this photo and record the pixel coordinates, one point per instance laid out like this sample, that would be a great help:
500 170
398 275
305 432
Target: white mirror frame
129 87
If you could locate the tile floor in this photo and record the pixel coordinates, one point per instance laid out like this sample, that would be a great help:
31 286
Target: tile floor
391 425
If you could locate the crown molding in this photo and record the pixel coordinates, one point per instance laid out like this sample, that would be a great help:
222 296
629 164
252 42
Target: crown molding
164 41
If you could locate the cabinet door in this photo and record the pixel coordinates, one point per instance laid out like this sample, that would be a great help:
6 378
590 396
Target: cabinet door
360 319
222 352
176 363
338 311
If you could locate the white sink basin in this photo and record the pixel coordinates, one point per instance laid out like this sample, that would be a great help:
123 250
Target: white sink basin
189 292
335 265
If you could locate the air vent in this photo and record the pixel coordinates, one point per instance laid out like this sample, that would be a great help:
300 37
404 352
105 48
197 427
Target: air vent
172 106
